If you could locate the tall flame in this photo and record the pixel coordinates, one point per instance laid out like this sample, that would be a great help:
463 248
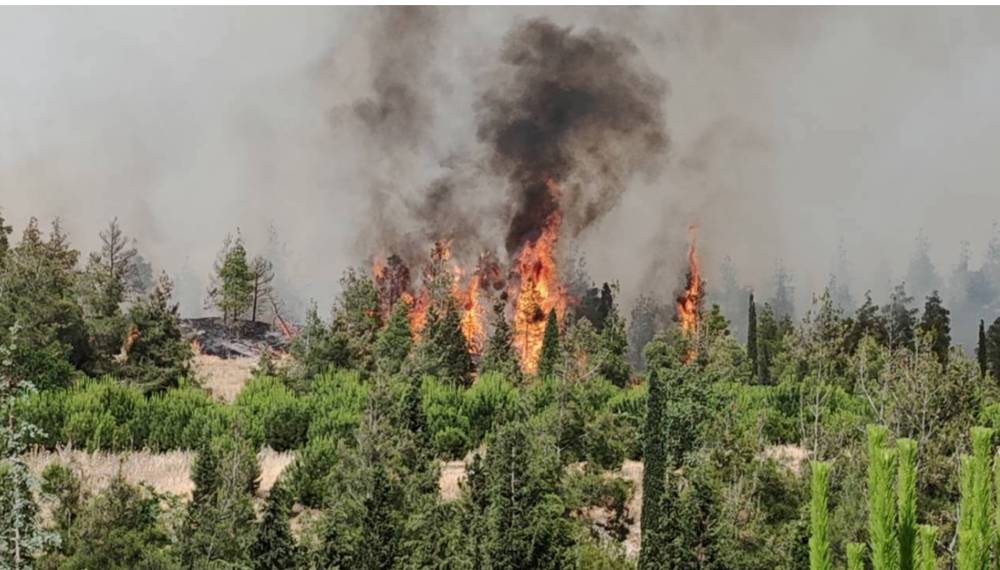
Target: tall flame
540 291
689 302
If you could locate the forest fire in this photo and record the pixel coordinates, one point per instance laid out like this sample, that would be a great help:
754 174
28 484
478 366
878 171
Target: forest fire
539 292
689 302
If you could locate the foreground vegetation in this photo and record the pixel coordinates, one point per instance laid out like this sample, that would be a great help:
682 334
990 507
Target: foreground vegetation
94 358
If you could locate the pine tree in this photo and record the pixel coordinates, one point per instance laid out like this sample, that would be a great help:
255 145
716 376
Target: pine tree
906 485
768 341
261 284
500 355
926 558
900 318
394 341
274 547
158 356
993 349
613 353
882 535
444 350
232 283
937 325
109 271
204 474
981 350
548 361
752 335
820 553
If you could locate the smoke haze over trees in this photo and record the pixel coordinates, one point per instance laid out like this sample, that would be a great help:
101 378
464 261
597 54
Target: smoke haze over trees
792 133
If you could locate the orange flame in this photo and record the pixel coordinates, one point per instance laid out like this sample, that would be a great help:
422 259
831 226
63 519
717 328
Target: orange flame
689 302
540 291
471 311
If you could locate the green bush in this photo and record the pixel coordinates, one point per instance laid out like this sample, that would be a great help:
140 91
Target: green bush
46 410
103 414
181 418
335 404
629 407
308 472
489 400
269 413
446 420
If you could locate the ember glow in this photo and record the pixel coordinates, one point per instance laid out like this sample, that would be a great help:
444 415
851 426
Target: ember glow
689 302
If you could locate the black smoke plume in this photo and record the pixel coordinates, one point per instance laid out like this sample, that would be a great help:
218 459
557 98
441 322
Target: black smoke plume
574 108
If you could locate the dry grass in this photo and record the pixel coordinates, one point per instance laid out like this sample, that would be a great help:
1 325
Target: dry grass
453 473
792 457
166 472
223 377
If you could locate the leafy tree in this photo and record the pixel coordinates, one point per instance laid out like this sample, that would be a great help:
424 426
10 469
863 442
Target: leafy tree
768 343
394 341
121 529
551 352
500 355
157 356
936 324
205 474
275 548
752 334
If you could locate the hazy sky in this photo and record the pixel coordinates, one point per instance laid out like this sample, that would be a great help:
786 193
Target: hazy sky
791 130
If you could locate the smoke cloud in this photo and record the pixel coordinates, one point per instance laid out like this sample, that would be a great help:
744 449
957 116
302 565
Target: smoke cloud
792 132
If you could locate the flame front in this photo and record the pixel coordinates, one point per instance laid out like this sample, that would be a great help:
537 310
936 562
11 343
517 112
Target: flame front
540 292
689 302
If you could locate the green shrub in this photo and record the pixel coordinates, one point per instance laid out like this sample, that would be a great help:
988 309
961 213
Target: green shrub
308 472
488 401
335 404
446 419
103 414
46 410
181 418
269 413
629 406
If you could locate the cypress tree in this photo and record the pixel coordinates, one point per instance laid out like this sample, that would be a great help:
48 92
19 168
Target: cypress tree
204 474
820 556
274 548
906 486
394 341
881 504
926 558
655 459
551 351
981 349
500 355
752 335
855 556
993 349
